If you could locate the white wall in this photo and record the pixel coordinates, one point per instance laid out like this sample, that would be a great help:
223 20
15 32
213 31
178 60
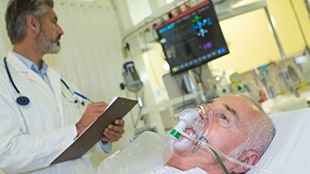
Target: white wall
4 41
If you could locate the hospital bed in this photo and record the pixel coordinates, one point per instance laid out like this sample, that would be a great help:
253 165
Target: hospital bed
288 152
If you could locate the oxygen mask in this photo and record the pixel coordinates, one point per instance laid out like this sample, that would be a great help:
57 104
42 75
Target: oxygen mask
192 127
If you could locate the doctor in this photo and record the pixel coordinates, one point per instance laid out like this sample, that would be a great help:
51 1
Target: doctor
39 114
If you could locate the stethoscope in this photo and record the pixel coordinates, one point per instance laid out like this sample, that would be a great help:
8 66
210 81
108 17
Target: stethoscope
24 100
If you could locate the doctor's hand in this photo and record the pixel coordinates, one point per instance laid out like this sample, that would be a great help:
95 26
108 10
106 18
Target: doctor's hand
114 131
92 112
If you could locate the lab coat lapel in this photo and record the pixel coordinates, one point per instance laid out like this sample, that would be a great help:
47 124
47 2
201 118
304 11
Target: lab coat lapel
55 78
21 68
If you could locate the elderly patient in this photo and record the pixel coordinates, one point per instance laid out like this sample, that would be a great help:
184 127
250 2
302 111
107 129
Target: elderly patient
236 126
232 125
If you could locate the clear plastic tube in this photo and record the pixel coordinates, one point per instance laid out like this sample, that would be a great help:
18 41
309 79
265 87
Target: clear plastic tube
206 145
200 120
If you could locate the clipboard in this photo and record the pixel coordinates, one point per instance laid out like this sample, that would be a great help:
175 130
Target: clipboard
118 108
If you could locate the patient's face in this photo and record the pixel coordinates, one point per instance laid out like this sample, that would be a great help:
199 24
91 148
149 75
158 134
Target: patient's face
226 130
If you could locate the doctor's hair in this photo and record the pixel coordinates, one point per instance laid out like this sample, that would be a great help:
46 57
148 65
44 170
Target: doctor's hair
16 13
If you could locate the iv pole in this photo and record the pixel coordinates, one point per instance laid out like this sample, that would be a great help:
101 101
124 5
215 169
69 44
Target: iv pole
275 34
307 51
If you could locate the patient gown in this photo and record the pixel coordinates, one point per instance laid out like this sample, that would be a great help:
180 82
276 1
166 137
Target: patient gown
172 170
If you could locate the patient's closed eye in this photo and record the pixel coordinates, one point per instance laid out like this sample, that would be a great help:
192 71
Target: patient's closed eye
223 120
224 117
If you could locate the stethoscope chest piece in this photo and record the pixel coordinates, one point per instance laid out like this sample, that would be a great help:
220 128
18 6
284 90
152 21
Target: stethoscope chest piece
22 100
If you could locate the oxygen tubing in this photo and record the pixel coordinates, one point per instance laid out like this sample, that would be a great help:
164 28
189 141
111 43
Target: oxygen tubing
204 144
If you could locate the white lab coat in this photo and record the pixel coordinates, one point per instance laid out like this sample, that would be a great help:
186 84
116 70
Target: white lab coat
32 136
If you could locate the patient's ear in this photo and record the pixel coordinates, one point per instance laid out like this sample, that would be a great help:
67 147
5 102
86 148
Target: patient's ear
250 157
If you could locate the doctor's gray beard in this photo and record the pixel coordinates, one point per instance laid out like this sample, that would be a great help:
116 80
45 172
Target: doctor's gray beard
48 45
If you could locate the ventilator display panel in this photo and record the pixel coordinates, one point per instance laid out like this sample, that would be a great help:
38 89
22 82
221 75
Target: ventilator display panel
192 38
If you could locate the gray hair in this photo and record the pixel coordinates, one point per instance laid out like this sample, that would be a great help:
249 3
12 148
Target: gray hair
261 131
16 13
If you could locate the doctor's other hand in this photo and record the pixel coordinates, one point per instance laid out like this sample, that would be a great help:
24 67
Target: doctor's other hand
92 112
114 131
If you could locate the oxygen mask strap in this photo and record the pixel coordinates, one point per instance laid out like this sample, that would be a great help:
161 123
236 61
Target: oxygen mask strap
216 155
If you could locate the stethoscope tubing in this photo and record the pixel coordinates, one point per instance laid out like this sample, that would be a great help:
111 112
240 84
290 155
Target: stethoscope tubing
21 99
10 76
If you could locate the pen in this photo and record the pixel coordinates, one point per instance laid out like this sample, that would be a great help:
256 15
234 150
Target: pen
82 96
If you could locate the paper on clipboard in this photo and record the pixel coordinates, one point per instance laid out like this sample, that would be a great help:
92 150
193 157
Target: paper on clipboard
118 108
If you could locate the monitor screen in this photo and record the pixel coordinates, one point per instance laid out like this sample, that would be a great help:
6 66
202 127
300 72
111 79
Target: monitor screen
192 38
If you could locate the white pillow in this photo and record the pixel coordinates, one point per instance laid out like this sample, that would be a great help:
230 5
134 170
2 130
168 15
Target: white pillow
289 151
